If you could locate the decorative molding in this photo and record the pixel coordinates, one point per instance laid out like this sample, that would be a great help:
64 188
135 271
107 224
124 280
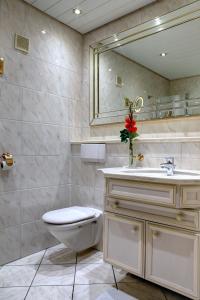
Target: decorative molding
116 140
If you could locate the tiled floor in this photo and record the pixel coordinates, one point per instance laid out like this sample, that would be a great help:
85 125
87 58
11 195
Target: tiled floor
59 274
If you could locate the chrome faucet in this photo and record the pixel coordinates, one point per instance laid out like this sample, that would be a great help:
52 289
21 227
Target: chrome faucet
169 166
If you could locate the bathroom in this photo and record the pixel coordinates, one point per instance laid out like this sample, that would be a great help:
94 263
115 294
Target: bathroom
67 84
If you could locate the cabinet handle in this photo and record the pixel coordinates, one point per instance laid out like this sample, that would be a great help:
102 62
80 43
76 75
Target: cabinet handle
135 228
115 205
179 216
156 234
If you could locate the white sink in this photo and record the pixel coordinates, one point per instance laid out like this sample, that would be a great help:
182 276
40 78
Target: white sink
151 174
159 172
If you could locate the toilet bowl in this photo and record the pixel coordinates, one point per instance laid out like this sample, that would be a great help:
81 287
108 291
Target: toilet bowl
79 228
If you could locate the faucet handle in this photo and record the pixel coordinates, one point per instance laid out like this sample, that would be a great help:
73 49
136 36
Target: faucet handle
169 160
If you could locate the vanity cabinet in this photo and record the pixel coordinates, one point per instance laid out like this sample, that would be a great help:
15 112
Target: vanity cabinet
151 231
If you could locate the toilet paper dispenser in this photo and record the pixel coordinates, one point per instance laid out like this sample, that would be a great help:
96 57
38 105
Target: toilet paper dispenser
6 161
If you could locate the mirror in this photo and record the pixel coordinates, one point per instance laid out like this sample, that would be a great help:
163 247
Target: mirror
156 69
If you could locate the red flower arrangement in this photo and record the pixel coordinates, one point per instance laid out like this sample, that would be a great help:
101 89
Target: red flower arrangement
130 124
129 133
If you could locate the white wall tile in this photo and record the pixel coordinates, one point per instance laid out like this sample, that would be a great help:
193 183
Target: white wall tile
35 237
10 101
9 244
34 124
35 202
10 209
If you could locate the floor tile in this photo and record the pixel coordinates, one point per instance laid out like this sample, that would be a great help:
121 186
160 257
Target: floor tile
55 275
59 255
34 259
142 290
90 256
50 293
123 276
13 293
115 295
173 296
91 292
94 273
17 275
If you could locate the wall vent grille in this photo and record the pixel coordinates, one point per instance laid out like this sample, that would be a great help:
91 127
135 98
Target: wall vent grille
21 43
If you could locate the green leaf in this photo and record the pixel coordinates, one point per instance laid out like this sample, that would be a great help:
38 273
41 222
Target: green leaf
124 135
133 135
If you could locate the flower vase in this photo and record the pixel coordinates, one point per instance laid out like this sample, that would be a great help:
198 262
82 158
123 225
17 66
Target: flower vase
132 157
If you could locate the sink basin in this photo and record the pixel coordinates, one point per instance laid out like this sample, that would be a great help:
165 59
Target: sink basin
159 172
154 175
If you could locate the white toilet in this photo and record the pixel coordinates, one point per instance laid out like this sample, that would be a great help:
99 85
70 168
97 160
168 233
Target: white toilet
77 227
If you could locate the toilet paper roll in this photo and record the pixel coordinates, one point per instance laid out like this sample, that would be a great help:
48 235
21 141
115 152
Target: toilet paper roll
4 166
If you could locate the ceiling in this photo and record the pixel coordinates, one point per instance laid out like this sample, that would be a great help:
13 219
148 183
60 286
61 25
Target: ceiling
182 45
95 13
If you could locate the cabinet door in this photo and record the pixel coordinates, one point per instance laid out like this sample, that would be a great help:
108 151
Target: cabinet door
172 258
124 243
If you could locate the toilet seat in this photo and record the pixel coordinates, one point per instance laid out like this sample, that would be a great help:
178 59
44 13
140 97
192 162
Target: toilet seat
70 215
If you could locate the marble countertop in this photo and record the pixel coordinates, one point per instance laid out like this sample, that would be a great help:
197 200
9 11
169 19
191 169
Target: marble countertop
153 175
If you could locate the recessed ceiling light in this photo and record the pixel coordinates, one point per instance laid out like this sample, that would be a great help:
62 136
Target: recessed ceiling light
157 20
76 11
43 31
109 69
163 54
115 38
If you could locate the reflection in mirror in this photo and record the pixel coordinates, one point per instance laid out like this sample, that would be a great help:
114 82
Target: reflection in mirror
162 68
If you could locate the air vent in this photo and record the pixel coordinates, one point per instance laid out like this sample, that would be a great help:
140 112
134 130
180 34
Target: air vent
21 43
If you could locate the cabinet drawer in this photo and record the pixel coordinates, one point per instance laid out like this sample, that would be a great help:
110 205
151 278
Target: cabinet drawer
172 258
179 217
142 192
190 196
124 243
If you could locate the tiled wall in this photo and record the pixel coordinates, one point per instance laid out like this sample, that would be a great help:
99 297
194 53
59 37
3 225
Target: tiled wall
37 94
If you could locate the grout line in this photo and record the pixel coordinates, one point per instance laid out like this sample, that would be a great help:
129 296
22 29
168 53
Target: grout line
25 265
45 123
35 274
74 277
163 292
35 188
33 286
114 277
78 284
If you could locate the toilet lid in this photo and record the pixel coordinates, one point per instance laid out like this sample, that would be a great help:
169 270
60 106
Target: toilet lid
68 215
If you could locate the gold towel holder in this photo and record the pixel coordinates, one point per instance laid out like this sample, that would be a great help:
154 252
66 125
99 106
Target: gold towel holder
2 61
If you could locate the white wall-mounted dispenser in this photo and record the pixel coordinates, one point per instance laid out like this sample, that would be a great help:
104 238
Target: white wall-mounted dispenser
93 153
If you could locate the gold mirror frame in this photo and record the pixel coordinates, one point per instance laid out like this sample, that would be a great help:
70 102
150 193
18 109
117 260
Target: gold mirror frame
158 24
